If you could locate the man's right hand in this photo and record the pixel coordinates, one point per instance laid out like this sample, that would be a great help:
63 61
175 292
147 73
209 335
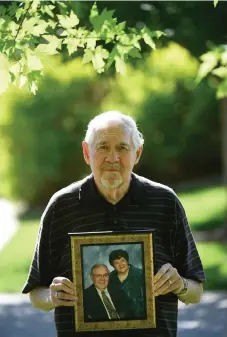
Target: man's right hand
62 292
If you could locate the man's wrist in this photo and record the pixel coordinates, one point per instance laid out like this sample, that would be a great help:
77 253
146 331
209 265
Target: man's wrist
183 288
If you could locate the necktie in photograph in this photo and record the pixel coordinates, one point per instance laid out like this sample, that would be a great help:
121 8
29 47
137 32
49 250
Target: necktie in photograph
109 306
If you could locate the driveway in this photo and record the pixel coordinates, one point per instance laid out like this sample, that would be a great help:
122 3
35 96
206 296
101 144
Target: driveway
207 319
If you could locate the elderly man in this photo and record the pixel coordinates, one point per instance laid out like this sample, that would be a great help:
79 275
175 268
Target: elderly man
113 198
104 302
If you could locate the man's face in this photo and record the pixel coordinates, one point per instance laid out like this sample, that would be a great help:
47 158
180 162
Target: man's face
121 265
111 156
100 277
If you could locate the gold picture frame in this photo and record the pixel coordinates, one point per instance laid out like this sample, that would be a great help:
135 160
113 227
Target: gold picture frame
89 249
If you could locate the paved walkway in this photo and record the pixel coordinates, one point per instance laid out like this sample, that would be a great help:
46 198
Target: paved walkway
8 221
207 319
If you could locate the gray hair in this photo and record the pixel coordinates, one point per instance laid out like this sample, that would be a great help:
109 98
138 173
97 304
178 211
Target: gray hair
127 121
97 266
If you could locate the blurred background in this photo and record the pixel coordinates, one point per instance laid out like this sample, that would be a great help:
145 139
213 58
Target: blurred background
41 135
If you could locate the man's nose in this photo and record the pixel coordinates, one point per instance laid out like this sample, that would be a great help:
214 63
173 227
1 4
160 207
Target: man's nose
113 156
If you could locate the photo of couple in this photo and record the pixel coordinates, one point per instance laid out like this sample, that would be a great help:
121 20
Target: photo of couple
113 282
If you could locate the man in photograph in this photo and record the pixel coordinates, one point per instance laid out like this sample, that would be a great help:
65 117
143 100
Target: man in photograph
114 198
130 279
103 302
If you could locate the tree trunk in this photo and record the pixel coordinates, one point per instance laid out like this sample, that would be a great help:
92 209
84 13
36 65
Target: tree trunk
224 149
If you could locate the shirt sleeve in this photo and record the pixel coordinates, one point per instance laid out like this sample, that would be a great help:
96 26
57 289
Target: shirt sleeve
187 259
41 271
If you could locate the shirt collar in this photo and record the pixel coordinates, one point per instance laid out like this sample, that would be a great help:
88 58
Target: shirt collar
90 196
100 291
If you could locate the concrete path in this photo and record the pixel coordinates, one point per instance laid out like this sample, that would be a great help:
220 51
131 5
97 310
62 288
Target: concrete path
207 319
8 221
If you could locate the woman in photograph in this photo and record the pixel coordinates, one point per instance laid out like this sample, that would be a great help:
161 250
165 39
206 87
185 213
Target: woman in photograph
130 279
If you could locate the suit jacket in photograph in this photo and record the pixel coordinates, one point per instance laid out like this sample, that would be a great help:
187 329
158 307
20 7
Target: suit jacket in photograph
94 309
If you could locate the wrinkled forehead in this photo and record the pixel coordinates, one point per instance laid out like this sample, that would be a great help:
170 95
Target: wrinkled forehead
112 130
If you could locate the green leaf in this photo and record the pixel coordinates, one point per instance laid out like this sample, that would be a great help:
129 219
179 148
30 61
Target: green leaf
13 8
4 73
157 34
215 3
68 21
34 63
91 43
72 44
22 80
148 40
88 55
28 24
48 10
135 53
114 53
120 65
222 90
129 41
2 11
105 17
19 13
40 29
94 13
149 35
220 72
210 60
15 69
123 49
98 58
33 87
51 47
224 58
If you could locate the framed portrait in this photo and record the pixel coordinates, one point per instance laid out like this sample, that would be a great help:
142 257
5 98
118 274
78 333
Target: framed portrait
113 275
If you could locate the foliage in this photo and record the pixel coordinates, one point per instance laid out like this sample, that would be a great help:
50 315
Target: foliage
41 135
214 62
175 116
31 29
179 123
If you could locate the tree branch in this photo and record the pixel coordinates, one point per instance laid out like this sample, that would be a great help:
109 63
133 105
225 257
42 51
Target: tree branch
21 23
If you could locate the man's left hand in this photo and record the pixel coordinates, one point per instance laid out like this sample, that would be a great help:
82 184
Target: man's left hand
167 280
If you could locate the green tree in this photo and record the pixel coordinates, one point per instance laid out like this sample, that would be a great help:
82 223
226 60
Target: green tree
31 29
41 135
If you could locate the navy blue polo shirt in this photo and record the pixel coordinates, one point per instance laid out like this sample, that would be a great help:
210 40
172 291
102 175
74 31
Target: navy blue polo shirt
79 207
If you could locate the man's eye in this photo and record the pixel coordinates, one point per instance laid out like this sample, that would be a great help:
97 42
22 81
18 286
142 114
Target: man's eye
102 147
124 148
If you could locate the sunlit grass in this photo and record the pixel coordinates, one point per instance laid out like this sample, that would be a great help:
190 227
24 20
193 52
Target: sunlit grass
16 257
214 257
205 208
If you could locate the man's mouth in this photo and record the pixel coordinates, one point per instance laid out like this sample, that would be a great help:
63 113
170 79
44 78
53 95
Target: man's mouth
112 170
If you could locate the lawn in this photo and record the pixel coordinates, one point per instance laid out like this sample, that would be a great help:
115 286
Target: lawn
214 257
203 208
16 257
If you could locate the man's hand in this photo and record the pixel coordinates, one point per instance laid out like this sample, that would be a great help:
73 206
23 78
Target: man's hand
167 280
62 292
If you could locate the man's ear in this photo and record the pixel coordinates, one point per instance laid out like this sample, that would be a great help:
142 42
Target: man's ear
86 152
138 154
